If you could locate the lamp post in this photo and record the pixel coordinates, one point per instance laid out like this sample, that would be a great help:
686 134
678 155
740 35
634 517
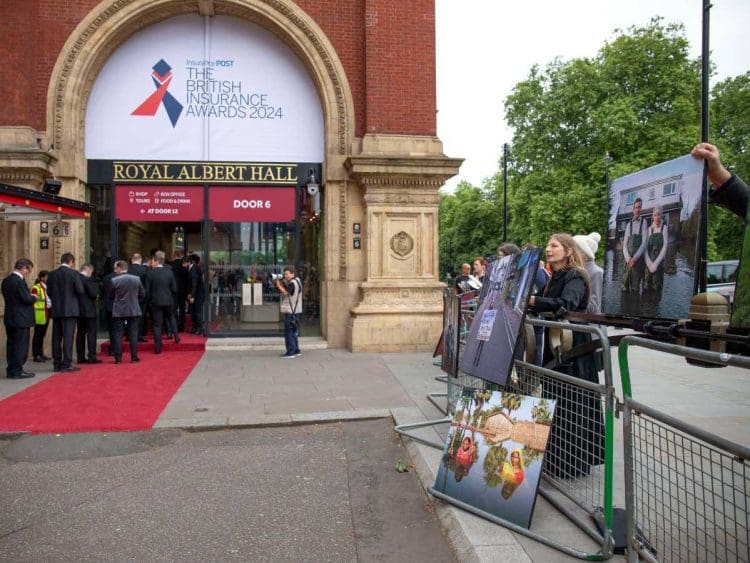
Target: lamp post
607 161
505 192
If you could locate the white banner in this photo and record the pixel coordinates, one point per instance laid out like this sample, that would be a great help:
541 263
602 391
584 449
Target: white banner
184 89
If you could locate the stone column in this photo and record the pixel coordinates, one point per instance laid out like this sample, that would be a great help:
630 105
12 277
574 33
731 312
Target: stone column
400 306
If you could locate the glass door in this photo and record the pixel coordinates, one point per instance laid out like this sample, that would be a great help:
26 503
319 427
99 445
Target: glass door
243 260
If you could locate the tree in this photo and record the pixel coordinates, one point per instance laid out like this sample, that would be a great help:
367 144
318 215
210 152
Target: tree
730 123
638 100
469 226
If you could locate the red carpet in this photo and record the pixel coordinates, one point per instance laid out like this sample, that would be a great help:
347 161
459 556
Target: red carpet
105 397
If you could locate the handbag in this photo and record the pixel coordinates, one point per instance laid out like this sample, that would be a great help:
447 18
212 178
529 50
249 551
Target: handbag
295 320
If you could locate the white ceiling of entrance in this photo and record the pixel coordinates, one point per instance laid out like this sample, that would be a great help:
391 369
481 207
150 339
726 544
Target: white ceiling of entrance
211 89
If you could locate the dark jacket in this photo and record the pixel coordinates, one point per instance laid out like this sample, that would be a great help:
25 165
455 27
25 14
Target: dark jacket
567 289
160 287
64 285
126 290
87 300
732 195
19 302
195 283
107 283
180 277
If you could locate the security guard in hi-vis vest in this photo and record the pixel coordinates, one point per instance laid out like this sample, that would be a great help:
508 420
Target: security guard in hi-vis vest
41 317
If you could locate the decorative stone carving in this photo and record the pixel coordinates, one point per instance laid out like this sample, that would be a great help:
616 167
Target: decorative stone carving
402 243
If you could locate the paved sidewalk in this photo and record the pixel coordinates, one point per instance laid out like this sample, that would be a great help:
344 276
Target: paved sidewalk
235 388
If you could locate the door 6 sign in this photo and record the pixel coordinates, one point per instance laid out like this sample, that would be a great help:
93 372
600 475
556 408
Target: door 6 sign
61 229
264 205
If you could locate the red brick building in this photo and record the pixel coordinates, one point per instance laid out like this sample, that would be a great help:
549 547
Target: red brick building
247 104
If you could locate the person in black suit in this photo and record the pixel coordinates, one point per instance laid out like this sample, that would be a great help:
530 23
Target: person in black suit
19 318
181 279
106 285
126 292
137 268
195 293
86 334
160 290
64 285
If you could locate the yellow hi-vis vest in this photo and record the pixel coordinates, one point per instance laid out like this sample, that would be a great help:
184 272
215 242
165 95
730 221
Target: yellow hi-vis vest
40 307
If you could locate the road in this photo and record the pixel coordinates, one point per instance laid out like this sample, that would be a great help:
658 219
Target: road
325 492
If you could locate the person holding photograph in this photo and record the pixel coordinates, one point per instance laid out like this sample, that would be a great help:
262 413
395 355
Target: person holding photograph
656 251
633 249
577 439
728 191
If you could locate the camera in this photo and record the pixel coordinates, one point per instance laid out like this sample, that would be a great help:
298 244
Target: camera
313 189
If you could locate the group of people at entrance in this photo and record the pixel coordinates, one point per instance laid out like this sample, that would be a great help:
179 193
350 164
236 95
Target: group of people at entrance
68 297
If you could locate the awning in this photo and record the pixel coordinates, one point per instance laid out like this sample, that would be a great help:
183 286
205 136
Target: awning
21 204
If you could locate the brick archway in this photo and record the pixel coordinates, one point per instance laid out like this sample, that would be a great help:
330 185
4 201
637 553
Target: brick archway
111 24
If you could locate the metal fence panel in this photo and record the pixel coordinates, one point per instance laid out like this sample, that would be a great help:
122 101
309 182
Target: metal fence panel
686 489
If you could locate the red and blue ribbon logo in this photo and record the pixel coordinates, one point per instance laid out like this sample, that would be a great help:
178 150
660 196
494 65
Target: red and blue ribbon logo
162 76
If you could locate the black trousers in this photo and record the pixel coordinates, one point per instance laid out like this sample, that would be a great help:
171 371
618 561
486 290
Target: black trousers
17 348
86 338
180 311
63 331
117 330
37 344
110 330
158 314
197 312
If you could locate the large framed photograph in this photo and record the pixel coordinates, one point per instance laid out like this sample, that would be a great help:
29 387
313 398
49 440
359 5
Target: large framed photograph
497 323
652 254
451 334
494 452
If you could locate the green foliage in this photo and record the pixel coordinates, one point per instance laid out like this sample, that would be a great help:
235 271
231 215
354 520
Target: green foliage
730 122
469 226
637 100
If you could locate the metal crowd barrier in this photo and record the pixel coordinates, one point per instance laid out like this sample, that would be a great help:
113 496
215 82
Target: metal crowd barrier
686 489
579 461
468 307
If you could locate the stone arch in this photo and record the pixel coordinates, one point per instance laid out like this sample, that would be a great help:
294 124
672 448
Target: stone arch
110 24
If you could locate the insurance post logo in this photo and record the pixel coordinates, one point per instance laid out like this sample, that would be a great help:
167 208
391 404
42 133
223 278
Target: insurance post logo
162 77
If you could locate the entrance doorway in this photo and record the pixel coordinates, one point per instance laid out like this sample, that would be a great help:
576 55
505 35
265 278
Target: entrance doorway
239 261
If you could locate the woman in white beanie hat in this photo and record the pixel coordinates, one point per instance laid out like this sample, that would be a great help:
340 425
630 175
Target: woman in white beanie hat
588 245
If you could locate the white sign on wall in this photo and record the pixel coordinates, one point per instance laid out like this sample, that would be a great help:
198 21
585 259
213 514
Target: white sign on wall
215 89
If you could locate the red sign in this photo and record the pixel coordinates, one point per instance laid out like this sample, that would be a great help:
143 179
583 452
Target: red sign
249 205
159 203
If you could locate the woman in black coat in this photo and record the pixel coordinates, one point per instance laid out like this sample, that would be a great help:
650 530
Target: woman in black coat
577 438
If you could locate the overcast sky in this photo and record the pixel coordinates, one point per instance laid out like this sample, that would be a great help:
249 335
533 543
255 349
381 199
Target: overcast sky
485 47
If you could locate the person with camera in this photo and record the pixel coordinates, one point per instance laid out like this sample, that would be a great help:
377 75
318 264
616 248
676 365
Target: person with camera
291 305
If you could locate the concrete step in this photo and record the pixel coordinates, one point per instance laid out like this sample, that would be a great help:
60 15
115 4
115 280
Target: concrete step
263 343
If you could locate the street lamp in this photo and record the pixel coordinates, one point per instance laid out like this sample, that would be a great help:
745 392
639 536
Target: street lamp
607 161
505 192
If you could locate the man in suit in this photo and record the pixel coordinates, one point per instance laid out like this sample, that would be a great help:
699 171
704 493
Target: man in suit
19 318
195 293
125 291
160 290
64 285
181 279
106 286
86 334
137 268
